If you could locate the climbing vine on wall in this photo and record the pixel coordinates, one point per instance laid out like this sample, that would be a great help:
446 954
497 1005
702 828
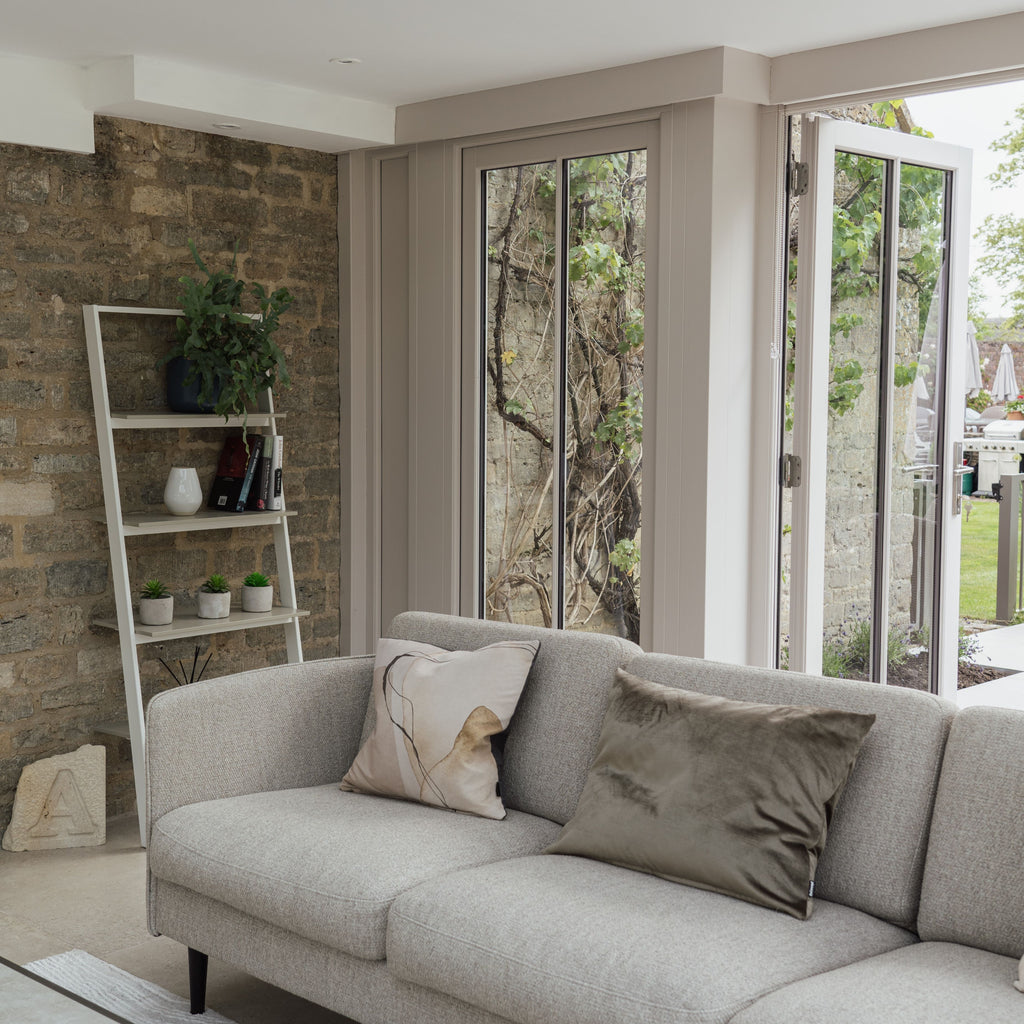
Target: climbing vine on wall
603 396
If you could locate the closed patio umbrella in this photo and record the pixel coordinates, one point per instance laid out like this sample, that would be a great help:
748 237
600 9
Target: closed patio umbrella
972 381
1005 385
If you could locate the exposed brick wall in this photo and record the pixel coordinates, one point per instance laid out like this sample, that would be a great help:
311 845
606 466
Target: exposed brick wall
112 228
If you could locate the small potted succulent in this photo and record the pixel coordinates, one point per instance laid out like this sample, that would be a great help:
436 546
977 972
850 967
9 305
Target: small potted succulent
257 593
156 604
215 598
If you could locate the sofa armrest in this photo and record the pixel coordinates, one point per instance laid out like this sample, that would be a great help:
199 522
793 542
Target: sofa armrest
283 727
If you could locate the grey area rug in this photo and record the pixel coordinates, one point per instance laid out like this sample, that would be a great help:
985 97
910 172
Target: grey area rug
118 991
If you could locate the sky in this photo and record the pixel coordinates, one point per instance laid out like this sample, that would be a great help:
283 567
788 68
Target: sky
974 118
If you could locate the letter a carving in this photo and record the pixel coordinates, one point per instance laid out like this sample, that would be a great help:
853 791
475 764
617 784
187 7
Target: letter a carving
64 811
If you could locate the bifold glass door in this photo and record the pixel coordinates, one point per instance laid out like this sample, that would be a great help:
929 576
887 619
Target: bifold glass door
878 406
558 351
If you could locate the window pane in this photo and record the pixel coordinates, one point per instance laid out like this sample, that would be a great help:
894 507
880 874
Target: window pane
520 348
604 391
854 428
920 297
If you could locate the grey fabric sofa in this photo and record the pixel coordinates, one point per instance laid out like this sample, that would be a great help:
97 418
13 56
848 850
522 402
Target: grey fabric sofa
391 912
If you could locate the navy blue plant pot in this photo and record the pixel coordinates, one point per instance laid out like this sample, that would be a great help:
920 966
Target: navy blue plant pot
182 397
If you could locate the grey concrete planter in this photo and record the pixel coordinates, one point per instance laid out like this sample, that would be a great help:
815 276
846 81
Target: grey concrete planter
257 599
156 611
214 606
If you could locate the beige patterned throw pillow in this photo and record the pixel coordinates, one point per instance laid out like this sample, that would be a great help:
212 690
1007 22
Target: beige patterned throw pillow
437 712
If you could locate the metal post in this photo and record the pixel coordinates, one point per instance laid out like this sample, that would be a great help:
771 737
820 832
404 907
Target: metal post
1008 571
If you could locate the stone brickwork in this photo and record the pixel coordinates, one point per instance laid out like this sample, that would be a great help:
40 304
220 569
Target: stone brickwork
112 228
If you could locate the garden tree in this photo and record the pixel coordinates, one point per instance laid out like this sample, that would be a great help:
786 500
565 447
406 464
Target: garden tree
1004 235
603 400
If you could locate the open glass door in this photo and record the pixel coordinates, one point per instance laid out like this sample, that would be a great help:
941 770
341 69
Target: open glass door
878 406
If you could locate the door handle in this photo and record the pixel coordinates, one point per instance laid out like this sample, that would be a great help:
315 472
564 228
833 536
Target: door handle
959 470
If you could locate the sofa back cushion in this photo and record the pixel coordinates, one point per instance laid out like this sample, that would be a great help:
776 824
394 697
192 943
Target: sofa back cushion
874 856
553 735
973 891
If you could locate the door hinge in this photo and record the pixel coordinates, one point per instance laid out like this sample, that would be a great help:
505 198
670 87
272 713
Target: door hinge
799 179
789 470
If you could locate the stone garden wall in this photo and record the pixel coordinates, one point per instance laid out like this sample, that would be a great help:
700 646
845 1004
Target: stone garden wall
112 228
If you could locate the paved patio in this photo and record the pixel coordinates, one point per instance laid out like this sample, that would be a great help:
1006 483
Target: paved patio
998 648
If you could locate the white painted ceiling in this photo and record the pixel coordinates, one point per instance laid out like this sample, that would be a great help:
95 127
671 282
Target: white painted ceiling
420 49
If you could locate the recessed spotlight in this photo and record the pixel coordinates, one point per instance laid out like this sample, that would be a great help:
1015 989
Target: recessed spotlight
345 60
227 126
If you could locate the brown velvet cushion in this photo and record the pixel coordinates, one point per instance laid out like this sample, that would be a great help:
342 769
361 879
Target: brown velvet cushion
438 714
721 794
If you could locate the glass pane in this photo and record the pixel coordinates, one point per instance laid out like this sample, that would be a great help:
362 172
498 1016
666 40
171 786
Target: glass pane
607 220
920 320
856 347
520 349
790 356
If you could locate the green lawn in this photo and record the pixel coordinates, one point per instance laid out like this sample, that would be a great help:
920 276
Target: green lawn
979 546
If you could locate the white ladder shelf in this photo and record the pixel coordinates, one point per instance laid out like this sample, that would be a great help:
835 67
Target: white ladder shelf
121 526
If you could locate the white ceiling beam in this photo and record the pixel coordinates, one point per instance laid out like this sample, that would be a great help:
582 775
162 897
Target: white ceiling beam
175 94
44 104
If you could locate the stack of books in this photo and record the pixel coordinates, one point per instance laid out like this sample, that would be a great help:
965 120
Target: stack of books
249 480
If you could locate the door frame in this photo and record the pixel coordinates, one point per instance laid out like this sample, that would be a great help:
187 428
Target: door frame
821 138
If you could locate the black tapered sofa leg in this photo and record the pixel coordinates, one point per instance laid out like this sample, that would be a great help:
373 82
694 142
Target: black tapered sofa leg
197 964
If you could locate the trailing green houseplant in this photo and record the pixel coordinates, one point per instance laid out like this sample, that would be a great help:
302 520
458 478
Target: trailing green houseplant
232 355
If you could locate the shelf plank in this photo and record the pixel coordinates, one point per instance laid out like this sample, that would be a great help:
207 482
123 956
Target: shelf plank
191 625
142 524
178 420
138 310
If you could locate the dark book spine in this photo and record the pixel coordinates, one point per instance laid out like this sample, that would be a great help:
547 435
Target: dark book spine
260 491
250 473
230 473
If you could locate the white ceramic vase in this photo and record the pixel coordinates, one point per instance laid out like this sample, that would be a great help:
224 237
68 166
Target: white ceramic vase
156 611
213 606
182 493
257 599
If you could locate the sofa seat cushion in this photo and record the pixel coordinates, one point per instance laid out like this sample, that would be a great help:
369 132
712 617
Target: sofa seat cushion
577 941
327 864
927 983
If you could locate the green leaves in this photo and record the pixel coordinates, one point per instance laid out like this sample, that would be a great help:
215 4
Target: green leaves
625 556
216 584
154 590
622 426
904 375
596 263
845 388
228 349
632 328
